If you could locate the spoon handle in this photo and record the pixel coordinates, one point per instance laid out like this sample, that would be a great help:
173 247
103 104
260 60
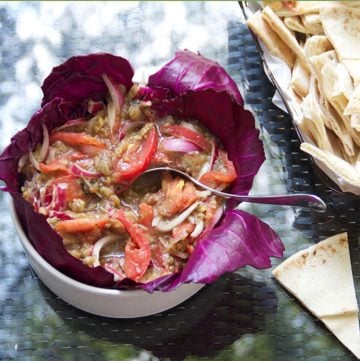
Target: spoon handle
307 201
303 200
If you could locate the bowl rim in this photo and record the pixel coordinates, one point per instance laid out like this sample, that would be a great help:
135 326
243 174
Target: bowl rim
56 273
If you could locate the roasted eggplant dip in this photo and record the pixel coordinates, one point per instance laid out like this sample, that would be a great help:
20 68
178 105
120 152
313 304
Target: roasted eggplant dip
84 178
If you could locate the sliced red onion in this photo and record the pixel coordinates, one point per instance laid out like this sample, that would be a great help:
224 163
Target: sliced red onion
60 215
51 154
179 145
61 196
208 165
118 276
116 94
98 246
78 171
45 144
36 204
111 115
214 220
199 227
94 107
53 196
33 161
169 224
44 196
72 123
127 127
22 161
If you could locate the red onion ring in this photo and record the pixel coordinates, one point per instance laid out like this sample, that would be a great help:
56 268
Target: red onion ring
179 145
78 171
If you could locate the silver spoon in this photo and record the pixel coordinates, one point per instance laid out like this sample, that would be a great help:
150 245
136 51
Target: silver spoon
307 201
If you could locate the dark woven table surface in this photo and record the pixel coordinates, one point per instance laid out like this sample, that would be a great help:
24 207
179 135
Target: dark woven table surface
242 316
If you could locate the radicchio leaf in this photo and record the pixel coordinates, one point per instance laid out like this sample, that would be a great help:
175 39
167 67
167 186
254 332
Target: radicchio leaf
80 77
190 71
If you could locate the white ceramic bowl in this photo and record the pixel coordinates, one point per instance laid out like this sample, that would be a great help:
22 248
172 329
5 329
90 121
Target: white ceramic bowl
101 301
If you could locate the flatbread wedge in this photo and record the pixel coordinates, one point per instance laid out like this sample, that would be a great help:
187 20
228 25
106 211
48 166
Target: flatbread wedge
341 26
271 40
285 35
320 277
344 174
353 66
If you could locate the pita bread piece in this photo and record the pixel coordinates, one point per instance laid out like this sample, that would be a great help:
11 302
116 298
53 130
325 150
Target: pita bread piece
313 123
353 106
338 89
285 34
295 23
312 23
320 277
331 119
342 27
306 24
353 66
344 174
316 45
271 40
300 80
353 109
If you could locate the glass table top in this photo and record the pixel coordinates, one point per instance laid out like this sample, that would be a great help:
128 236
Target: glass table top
242 316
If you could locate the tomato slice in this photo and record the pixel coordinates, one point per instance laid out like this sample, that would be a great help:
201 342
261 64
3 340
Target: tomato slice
158 256
178 195
146 214
188 134
76 139
227 175
137 250
54 166
80 225
136 159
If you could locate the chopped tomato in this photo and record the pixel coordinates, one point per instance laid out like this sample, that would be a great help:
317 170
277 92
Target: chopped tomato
188 134
158 256
182 231
146 214
178 195
74 189
54 166
226 175
137 250
80 225
136 159
76 139
76 156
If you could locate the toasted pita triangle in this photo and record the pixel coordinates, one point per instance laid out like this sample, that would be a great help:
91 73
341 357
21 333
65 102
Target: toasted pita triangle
271 40
285 35
346 176
316 45
353 106
333 119
320 277
353 66
312 23
341 26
